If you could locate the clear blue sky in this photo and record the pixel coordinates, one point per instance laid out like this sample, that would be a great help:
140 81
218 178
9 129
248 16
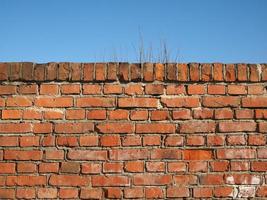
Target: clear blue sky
104 30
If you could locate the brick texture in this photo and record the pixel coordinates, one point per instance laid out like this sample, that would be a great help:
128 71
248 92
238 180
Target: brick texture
133 131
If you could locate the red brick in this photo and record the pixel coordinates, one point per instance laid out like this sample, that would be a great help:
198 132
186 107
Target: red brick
239 126
196 89
95 102
175 89
29 141
131 140
148 73
155 128
70 89
259 166
69 127
53 154
15 128
171 70
88 71
25 193
113 193
24 180
159 72
91 168
3 71
203 113
28 89
134 166
216 89
159 115
176 167
114 127
242 72
133 89
218 72
49 89
197 154
174 140
256 139
7 168
110 140
51 71
48 167
96 114
140 115
194 72
252 102
7 193
151 140
154 89
47 193
67 141
197 127
223 191
181 114
75 69
155 166
89 140
8 141
128 154
242 179
53 102
153 193
230 72
254 73
255 89
215 140
75 114
92 89
68 180
70 167
19 101
211 179
224 113
236 89
118 114
236 153
7 89
14 71
87 155
202 192
261 191
68 193
173 192
244 114
112 167
172 154
138 102
110 181
23 155
92 193
195 140
112 71
42 128
32 114
133 192
11 114
220 102
177 102
124 71
63 71
151 179
219 166
52 114
112 89
239 165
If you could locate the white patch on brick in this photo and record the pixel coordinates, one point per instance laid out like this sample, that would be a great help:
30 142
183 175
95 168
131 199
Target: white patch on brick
230 180
246 191
255 180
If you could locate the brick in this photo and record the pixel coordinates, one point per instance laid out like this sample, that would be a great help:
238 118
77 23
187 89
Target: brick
91 168
63 71
151 140
53 154
67 141
182 72
197 127
3 71
197 154
176 167
254 73
68 180
219 166
212 179
118 114
15 128
194 72
113 193
54 102
175 89
178 102
91 89
7 168
179 192
134 192
93 193
159 72
124 72
11 114
48 167
181 114
239 126
87 155
235 153
7 89
88 71
96 114
218 72
49 89
257 139
202 192
110 180
259 166
155 166
112 89
150 179
216 89
95 102
88 140
70 167
25 193
236 89
153 193
8 141
140 115
133 89
195 140
39 72
25 180
244 114
254 102
134 166
51 71
230 72
48 141
78 127
198 166
242 72
112 71
239 165
262 127
155 128
68 193
42 128
240 179
261 114
223 113
47 193
110 140
29 141
131 140
135 71
18 101
27 89
255 89
138 102
112 167
262 191
7 193
171 70
75 114
174 140
75 69
203 113
114 127
220 102
223 191
31 114
154 89
172 154
148 73
196 89
128 154
70 89
14 71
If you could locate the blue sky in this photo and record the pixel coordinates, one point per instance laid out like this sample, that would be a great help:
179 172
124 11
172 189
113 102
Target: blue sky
113 30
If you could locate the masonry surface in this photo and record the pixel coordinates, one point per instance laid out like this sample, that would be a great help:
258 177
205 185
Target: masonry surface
133 131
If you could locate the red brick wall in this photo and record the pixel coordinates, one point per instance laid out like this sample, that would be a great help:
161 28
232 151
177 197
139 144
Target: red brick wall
95 131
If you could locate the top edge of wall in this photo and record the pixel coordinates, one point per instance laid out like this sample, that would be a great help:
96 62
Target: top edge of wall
132 72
